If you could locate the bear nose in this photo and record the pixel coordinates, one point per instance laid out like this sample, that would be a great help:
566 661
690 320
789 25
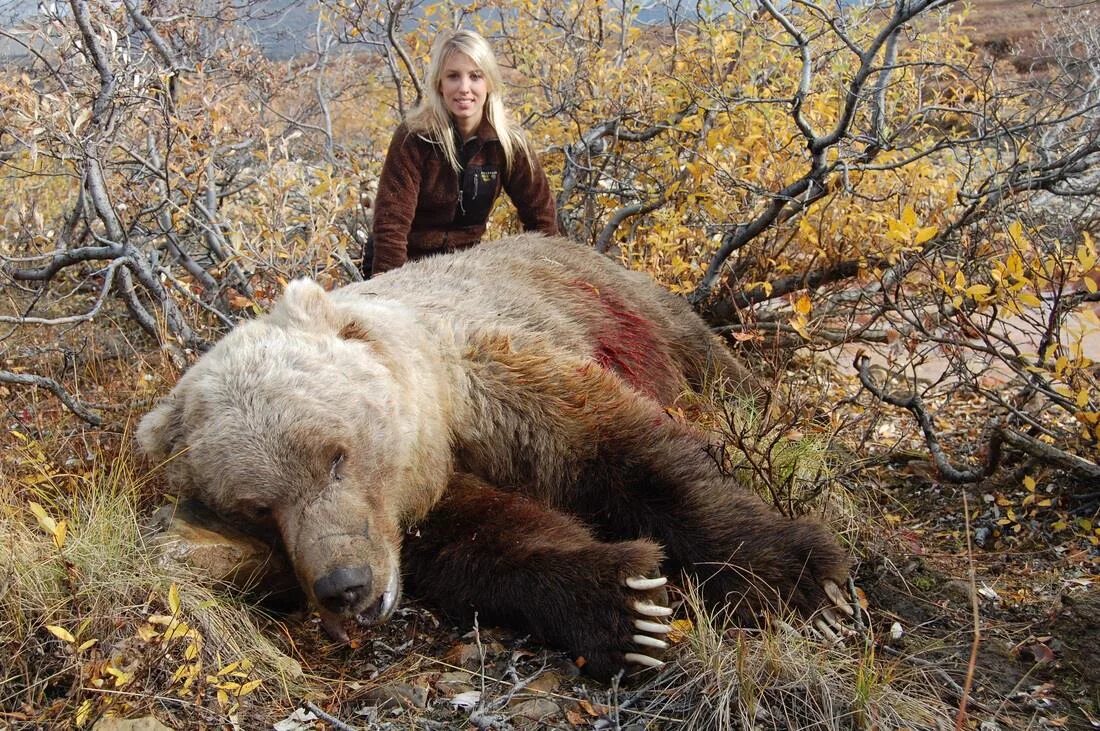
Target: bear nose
343 589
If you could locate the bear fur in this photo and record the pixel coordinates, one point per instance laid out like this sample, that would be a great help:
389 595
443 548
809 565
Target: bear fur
489 429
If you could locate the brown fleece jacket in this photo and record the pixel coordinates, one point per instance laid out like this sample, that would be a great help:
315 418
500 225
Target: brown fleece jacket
422 207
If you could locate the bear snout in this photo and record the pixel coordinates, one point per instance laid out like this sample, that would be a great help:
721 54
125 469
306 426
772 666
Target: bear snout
344 590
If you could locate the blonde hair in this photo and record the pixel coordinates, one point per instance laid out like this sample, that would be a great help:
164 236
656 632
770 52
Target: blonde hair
430 118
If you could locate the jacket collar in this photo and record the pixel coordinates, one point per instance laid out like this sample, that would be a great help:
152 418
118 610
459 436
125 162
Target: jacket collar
484 133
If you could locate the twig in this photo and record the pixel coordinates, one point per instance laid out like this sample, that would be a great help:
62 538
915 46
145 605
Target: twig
960 718
997 435
928 665
328 718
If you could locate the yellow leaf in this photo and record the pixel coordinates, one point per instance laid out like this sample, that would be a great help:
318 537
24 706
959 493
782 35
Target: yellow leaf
177 629
86 644
1030 300
121 676
229 668
174 599
1029 483
82 713
59 534
249 687
909 217
897 231
798 324
1082 398
223 697
60 633
146 633
1090 285
1086 258
190 652
802 305
1016 232
977 290
925 234
680 629
45 522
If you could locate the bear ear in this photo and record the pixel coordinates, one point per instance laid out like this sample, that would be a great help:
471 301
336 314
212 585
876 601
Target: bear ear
161 429
306 306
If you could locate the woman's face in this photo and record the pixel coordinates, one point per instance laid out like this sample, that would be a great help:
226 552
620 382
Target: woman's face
464 88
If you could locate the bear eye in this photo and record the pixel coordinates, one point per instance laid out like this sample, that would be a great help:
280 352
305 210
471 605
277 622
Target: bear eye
335 471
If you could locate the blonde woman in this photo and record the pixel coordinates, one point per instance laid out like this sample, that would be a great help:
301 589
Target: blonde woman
449 160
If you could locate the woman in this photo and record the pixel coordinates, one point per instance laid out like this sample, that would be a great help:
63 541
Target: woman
449 159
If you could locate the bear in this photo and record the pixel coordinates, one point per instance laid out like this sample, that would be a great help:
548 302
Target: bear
488 430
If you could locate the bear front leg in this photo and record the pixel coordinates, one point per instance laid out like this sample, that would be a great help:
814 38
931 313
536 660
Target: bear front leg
518 563
657 480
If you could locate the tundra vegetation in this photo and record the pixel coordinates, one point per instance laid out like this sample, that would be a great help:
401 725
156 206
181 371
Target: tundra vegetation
894 226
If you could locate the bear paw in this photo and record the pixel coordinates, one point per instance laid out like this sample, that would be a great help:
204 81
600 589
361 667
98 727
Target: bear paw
622 626
834 622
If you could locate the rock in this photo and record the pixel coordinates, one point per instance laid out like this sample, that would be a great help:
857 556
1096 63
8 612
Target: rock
191 534
148 723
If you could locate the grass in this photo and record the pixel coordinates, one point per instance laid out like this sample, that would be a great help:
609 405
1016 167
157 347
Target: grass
93 623
776 677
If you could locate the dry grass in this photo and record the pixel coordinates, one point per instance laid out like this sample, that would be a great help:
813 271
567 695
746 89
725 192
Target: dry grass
91 622
778 678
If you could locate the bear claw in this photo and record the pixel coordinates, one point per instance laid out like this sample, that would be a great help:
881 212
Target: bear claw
641 583
647 641
837 596
646 660
649 609
652 627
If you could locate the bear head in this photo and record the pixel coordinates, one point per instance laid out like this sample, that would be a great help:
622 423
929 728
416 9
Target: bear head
323 421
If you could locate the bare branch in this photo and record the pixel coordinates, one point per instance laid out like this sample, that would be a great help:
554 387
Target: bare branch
399 49
72 404
913 403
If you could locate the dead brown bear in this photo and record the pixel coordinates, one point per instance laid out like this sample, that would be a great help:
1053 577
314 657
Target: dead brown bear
489 428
